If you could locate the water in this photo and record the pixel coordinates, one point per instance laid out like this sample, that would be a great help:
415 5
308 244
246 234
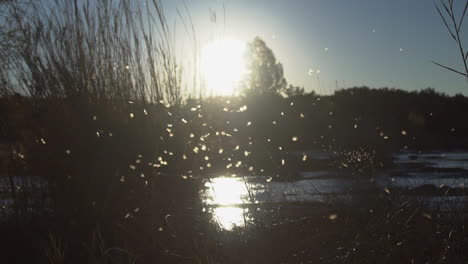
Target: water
434 159
228 197
414 169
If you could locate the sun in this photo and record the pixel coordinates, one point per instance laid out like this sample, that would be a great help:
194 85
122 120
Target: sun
223 66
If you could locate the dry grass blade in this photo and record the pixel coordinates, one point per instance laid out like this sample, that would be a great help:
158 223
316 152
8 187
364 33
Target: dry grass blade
445 22
450 69
454 31
445 6
463 16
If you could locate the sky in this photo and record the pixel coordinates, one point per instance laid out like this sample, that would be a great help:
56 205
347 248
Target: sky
377 43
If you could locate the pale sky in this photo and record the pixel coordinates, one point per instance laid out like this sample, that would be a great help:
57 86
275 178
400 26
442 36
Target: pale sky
378 43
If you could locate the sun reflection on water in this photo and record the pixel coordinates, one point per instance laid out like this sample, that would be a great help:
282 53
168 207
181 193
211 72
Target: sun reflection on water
227 195
230 217
226 191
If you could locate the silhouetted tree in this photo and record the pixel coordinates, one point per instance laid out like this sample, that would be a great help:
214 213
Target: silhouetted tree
292 91
265 73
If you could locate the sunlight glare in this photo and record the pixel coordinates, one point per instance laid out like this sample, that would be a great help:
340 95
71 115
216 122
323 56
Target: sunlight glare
223 66
226 191
229 217
227 194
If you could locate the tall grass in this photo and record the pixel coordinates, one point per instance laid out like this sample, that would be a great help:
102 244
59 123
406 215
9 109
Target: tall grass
102 51
90 93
